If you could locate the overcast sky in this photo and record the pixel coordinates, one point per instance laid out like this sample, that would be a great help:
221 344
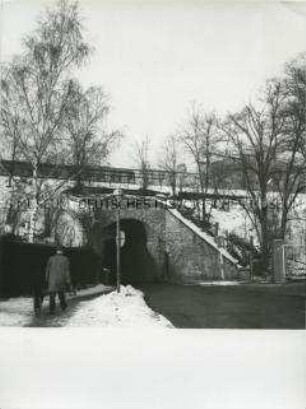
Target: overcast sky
154 59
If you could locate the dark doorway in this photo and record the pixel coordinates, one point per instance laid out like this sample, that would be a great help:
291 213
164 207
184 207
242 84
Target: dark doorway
137 264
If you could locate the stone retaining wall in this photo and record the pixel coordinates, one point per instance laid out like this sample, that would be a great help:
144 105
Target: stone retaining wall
192 258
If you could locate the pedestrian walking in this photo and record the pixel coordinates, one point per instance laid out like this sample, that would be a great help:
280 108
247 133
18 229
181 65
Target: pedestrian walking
38 284
39 290
58 278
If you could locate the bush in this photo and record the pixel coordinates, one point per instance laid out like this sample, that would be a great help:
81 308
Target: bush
241 249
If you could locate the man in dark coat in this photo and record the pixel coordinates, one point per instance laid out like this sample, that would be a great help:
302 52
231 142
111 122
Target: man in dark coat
58 277
38 287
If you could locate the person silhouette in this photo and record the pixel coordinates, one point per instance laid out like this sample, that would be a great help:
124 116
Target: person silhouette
58 277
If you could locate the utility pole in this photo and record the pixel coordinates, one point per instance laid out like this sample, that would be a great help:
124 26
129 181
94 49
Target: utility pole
118 244
118 195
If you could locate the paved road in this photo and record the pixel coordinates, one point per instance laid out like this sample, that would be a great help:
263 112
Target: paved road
255 306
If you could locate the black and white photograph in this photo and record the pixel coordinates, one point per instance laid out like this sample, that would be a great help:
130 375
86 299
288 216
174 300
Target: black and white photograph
152 181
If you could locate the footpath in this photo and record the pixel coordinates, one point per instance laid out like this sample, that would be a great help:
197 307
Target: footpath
19 311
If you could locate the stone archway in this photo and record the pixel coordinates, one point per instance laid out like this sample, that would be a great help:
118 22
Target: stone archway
137 264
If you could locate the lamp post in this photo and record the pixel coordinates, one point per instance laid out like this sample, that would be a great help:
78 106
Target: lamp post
118 194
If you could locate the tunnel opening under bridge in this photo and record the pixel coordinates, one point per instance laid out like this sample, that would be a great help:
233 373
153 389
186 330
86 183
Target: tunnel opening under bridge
137 264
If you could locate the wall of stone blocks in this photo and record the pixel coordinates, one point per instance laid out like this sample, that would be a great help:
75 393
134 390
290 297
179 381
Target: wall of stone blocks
192 259
180 254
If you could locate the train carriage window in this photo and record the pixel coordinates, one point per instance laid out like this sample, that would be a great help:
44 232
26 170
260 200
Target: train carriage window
124 178
131 177
115 177
108 177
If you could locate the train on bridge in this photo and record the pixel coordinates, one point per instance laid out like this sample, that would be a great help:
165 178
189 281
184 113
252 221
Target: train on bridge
104 174
157 179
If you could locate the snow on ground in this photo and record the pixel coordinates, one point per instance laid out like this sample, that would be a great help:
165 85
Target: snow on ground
92 290
16 312
19 311
219 283
233 221
125 309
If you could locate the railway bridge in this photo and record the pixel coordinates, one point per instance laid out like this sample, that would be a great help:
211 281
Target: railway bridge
159 244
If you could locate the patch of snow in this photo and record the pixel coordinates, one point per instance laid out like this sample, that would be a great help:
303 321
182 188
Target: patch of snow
234 221
125 309
219 283
19 311
16 311
92 290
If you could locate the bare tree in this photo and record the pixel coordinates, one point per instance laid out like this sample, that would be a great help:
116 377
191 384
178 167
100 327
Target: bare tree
201 137
169 161
267 154
182 176
36 89
292 181
141 157
10 146
88 140
294 83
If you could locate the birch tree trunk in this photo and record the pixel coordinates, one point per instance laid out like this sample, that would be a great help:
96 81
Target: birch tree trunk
34 205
